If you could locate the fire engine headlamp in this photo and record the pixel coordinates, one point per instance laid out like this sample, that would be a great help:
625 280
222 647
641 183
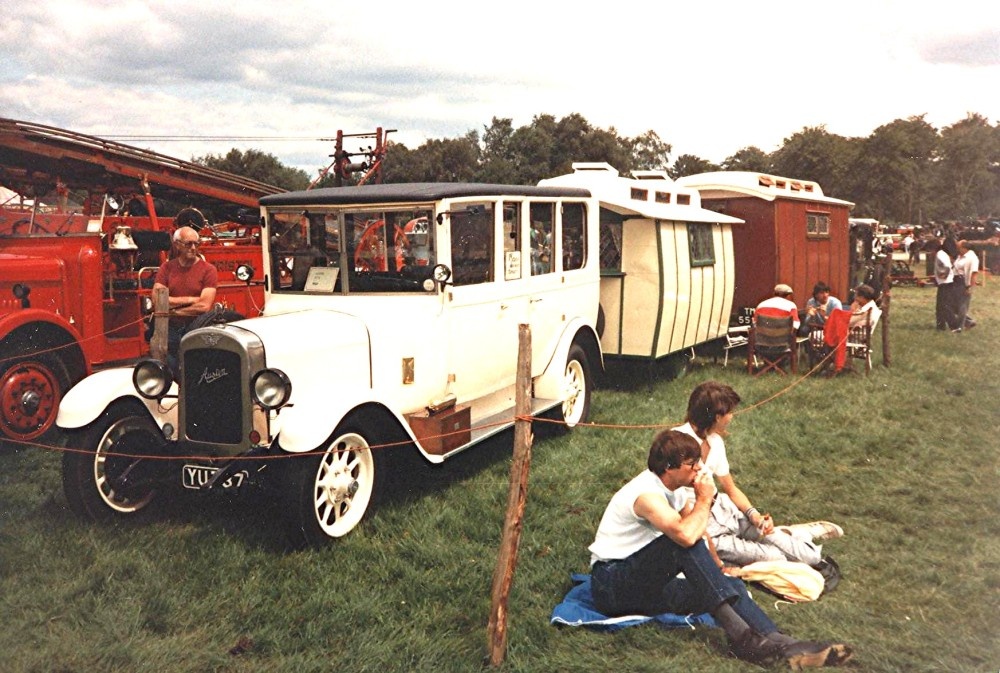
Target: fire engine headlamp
271 388
244 273
152 379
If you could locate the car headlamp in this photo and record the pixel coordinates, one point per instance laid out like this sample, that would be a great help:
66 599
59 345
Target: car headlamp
271 388
152 379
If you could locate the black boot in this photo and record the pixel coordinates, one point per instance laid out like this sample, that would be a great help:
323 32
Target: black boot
757 649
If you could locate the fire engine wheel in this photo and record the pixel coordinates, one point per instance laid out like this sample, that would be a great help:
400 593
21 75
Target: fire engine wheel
329 491
102 479
30 391
577 385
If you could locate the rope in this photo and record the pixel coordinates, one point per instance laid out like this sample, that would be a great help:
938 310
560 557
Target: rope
72 344
405 442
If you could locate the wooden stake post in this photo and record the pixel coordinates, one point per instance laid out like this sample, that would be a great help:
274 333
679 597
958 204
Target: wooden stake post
886 314
503 574
161 307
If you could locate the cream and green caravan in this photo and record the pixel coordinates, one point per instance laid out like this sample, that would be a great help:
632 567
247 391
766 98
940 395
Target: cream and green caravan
667 276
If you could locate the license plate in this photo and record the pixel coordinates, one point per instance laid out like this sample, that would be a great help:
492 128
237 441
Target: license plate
197 477
745 315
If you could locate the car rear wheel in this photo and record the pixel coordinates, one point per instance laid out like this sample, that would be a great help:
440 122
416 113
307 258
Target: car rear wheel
329 491
577 384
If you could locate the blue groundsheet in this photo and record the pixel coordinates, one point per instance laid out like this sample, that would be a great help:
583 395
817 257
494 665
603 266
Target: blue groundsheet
577 609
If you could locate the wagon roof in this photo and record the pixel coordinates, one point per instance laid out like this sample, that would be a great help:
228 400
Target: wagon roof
647 194
415 192
723 184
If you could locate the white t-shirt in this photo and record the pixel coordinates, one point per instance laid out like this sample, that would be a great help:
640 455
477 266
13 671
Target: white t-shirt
943 271
622 532
966 265
716 462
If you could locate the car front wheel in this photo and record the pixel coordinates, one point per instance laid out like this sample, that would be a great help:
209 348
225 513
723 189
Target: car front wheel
327 492
104 473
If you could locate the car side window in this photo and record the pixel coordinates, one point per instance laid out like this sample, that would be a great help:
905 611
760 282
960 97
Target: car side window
574 242
542 221
512 241
472 244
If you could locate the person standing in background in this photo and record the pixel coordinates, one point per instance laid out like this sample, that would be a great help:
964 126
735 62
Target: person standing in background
966 269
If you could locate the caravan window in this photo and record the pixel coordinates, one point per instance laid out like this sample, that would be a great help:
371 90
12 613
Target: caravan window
611 241
818 225
701 244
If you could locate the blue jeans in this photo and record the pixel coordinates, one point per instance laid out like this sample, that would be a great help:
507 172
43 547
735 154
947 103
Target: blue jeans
646 583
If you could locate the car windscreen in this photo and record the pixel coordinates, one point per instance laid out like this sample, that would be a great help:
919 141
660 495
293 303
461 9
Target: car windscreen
350 250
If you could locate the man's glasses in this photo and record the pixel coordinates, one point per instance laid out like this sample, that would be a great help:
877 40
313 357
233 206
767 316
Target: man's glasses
189 244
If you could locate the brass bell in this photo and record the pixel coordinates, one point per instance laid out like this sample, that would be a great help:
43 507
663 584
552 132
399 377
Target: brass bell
123 240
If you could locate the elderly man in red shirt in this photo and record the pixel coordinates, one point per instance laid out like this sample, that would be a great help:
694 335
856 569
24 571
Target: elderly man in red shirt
191 283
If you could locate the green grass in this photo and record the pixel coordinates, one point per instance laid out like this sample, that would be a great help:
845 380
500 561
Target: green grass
904 459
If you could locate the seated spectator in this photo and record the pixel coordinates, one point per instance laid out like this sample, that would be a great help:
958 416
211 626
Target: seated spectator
649 556
739 532
864 303
781 304
818 308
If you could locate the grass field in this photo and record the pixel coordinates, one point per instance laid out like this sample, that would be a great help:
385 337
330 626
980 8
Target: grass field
905 460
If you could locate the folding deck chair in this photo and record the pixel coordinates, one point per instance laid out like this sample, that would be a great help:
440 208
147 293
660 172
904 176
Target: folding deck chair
772 345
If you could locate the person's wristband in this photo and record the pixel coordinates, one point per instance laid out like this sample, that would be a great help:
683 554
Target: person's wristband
750 511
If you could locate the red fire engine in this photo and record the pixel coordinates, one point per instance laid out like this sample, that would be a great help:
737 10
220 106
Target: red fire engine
84 223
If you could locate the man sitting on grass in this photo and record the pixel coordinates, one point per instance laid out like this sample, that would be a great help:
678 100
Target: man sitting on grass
650 533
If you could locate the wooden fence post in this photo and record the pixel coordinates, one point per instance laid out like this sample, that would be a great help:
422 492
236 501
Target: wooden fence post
886 314
503 574
161 307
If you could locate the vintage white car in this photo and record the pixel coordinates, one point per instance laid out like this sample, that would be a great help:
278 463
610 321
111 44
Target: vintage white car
390 324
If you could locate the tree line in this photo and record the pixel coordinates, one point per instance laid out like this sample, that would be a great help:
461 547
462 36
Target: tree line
906 171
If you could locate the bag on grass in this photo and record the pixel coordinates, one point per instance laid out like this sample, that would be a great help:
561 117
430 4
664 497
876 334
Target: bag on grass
791 580
830 570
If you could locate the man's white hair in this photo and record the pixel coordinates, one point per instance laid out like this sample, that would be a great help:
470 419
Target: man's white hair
178 230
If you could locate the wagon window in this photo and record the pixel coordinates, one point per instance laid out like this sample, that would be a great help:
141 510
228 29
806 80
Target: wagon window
472 244
701 244
542 220
818 225
574 242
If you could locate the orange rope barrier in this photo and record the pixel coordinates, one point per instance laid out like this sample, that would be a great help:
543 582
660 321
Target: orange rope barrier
71 344
533 419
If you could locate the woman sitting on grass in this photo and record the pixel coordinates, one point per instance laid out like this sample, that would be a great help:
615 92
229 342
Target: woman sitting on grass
740 533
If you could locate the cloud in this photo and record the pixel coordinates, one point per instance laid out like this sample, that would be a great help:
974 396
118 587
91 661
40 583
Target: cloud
980 50
708 78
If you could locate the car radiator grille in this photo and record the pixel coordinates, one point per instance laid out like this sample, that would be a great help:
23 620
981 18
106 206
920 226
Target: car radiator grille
213 393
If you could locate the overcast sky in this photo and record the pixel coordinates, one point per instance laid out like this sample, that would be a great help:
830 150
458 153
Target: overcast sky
708 77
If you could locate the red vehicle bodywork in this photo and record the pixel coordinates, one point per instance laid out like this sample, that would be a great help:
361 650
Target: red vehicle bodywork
74 283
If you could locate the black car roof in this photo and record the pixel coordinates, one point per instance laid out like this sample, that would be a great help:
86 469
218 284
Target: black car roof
413 192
